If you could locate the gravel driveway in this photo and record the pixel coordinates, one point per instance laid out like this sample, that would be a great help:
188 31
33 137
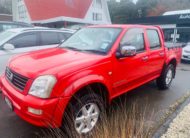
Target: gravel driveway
180 127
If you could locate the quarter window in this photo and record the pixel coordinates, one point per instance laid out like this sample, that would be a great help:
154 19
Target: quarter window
154 39
134 37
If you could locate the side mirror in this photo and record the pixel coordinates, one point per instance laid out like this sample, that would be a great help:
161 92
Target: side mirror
126 51
8 47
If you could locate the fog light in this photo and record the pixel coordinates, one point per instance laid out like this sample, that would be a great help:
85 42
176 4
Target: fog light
34 111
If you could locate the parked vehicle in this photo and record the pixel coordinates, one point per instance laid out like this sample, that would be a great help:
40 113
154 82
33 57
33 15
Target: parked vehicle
186 53
16 41
10 25
74 83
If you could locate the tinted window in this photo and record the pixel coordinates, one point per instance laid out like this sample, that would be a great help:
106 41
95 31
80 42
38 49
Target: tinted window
49 38
25 40
134 37
154 39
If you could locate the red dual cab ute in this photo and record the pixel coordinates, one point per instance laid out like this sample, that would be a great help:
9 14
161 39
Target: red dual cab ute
73 83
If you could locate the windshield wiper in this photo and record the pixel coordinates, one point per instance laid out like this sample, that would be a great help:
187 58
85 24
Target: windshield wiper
73 48
95 51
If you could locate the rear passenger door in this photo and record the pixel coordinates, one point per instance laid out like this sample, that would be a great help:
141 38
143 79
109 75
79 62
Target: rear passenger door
156 52
49 39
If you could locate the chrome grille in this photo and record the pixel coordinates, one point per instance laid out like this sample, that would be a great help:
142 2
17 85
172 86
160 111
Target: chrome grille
16 79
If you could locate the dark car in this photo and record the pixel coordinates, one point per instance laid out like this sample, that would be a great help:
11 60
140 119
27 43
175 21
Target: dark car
10 25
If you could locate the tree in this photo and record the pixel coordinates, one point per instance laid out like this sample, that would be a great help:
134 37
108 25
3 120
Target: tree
121 11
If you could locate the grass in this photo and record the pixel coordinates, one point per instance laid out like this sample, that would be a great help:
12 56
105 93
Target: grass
121 121
124 119
124 122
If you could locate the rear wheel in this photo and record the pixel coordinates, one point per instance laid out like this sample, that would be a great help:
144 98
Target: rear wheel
83 115
165 80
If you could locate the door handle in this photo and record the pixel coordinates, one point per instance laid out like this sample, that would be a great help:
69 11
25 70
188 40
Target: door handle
145 58
161 54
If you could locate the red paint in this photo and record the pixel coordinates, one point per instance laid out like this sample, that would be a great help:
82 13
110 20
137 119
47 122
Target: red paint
77 70
47 9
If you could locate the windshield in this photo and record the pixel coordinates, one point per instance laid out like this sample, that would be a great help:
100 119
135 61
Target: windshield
96 40
4 36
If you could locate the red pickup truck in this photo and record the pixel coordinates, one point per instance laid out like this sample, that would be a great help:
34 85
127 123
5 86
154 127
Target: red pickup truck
74 83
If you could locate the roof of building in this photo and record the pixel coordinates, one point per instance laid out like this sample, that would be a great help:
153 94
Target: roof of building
39 9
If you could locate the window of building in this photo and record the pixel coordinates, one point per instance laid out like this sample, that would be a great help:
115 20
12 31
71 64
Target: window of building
97 16
168 35
154 39
97 4
134 37
22 12
183 35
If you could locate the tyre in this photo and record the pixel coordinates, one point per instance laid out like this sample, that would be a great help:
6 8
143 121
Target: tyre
166 78
83 115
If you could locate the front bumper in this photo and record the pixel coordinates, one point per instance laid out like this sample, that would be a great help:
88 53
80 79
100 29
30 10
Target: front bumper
52 109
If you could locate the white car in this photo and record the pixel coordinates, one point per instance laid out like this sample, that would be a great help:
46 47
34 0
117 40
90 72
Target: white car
186 52
16 41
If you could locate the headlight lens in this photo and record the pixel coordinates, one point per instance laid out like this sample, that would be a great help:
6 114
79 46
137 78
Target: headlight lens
42 86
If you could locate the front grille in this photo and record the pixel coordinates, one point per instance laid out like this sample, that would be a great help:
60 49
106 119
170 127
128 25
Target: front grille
16 79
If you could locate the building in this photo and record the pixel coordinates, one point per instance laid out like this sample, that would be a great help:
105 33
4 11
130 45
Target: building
6 17
59 13
175 24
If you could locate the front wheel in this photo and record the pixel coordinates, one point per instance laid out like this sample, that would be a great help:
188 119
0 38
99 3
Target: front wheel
166 78
83 115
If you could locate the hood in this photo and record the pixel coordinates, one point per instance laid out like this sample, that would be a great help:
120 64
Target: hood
52 62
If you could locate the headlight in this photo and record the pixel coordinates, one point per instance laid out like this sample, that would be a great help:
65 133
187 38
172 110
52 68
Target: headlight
42 86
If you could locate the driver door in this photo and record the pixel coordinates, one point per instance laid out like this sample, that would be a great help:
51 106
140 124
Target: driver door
130 72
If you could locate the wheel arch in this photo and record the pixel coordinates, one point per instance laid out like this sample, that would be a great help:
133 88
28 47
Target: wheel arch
93 83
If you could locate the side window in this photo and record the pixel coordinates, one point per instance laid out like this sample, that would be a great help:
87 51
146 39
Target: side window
64 36
49 38
25 40
134 37
154 39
